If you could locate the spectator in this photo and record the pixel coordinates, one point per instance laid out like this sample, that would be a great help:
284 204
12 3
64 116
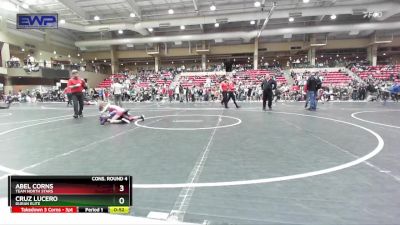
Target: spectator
313 84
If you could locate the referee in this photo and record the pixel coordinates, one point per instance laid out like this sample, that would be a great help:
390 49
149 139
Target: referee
267 86
231 94
77 85
224 89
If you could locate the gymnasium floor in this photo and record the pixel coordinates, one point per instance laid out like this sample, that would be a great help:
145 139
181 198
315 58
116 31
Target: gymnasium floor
209 165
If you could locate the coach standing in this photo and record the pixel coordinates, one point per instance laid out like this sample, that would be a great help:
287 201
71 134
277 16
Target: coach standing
313 84
268 85
77 85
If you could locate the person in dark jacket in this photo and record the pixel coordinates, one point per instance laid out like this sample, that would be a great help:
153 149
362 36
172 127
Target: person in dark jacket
268 85
313 84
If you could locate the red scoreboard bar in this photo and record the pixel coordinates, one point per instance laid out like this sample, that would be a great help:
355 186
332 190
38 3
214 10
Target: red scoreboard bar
70 194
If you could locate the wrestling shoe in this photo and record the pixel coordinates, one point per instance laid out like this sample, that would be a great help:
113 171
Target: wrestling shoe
142 117
103 120
76 116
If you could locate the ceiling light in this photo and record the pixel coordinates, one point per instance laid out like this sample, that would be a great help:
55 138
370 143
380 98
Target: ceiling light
182 27
132 15
122 64
147 63
95 58
306 1
170 11
69 56
333 17
22 49
92 61
25 6
120 31
252 22
257 4
54 52
337 55
135 64
40 53
216 25
376 14
291 19
322 56
213 7
78 54
384 53
150 29
105 60
62 21
82 59
96 18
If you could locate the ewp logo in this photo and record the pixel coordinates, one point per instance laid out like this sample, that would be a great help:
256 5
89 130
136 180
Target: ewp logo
37 21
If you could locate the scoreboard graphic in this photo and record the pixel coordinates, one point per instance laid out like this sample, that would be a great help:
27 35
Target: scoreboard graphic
70 194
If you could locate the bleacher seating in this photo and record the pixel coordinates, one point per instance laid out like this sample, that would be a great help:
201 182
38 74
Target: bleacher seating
159 79
257 76
382 72
336 78
198 80
247 77
105 83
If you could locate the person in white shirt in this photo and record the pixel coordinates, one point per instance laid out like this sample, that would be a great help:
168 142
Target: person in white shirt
177 92
117 90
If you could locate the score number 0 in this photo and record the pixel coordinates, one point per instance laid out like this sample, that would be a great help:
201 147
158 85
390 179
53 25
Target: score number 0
121 200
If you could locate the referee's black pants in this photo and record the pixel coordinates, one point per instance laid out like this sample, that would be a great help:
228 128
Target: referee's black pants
77 99
267 96
225 98
69 98
231 95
